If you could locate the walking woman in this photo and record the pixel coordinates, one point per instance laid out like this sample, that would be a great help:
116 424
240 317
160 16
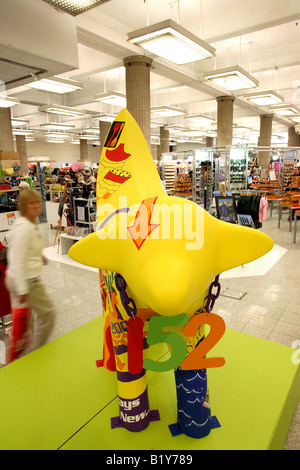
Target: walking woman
23 275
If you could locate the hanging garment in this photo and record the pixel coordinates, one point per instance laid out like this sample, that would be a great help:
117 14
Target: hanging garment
249 205
263 209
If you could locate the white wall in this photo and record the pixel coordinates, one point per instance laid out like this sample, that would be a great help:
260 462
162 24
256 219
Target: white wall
64 152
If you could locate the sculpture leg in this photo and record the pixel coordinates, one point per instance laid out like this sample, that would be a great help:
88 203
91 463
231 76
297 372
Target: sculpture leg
135 414
194 415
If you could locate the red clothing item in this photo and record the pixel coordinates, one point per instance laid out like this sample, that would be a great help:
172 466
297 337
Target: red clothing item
5 306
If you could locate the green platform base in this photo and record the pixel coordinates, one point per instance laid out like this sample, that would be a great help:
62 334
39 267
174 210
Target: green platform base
56 397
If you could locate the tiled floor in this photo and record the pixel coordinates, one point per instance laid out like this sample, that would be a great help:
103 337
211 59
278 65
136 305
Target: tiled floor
269 306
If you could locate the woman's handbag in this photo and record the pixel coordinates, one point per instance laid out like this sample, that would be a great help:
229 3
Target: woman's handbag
20 333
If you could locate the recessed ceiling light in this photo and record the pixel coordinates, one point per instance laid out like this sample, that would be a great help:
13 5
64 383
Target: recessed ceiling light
168 111
171 41
56 85
75 7
232 78
264 98
61 110
114 97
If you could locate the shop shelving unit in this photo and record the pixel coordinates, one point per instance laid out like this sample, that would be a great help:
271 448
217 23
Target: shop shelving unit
87 214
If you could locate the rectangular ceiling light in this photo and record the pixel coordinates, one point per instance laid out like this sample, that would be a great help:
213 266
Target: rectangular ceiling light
296 118
75 7
7 102
232 78
21 132
55 141
105 117
92 130
57 135
88 137
56 126
264 98
171 41
56 85
285 110
114 97
19 122
61 110
167 111
200 118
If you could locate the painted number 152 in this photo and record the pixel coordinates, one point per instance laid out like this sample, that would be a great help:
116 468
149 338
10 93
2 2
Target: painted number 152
194 360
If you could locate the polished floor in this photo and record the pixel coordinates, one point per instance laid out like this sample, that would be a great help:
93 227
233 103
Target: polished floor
266 306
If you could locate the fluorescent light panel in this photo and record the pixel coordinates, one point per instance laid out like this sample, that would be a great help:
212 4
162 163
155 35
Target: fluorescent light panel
75 7
56 85
21 132
296 118
114 97
87 137
57 135
57 126
19 122
7 101
264 98
167 111
61 110
285 110
200 118
232 78
105 117
92 130
173 42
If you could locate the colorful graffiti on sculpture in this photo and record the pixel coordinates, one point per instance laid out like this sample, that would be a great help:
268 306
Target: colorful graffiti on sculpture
159 258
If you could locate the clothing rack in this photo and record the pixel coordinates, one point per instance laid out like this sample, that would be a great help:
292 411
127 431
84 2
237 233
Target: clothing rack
251 192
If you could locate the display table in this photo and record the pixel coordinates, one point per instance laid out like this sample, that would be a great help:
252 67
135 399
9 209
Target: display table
56 397
297 214
66 241
271 203
290 208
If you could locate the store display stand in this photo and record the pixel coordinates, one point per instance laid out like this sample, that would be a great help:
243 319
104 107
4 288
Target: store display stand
70 402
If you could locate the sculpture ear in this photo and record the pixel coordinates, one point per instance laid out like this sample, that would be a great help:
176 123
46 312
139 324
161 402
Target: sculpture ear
240 245
95 252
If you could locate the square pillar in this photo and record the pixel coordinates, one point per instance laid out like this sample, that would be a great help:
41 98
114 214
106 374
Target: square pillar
138 91
225 120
